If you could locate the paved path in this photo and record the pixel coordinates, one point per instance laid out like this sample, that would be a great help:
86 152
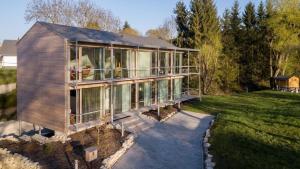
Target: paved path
175 144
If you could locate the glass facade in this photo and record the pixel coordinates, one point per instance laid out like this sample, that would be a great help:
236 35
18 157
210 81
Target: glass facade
89 64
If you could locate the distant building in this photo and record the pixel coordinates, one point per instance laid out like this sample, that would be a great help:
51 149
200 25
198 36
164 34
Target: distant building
290 83
8 54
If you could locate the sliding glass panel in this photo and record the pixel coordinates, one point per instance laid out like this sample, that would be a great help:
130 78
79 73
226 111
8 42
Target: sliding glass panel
178 63
177 88
153 92
91 104
125 63
126 101
122 63
164 63
118 99
133 96
107 64
132 60
163 91
74 98
118 61
107 101
154 64
144 64
147 94
91 60
122 98
73 66
141 94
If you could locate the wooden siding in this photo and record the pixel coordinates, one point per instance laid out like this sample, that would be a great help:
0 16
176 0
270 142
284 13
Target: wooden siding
294 82
41 79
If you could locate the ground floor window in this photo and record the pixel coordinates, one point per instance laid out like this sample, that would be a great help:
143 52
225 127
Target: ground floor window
163 91
91 104
122 98
177 88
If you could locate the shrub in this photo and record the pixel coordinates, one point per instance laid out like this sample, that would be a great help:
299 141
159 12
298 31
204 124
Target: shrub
48 148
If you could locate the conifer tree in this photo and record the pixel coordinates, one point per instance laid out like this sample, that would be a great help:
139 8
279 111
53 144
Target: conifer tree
205 36
249 39
182 18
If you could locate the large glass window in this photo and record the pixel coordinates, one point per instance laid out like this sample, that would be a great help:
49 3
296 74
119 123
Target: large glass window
73 65
163 91
95 64
177 88
164 63
177 63
122 63
144 64
122 98
144 94
91 61
91 104
154 64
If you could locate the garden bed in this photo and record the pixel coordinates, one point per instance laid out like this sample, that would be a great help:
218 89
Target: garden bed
59 155
164 113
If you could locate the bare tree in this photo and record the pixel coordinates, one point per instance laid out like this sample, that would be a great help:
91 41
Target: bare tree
82 13
167 31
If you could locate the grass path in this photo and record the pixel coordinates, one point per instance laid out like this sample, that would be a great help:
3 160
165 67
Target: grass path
255 130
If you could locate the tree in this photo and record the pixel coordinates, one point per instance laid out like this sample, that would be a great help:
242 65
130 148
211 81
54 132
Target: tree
127 30
159 33
181 19
126 25
166 32
248 60
205 36
229 68
82 13
285 25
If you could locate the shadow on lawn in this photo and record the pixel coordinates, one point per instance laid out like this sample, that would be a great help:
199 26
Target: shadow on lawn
238 151
277 95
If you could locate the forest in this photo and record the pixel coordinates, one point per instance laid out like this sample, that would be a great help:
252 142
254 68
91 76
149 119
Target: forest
241 50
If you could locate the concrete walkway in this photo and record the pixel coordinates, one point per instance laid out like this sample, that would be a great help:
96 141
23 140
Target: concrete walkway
174 144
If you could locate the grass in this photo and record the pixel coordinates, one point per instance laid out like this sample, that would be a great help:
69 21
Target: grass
254 130
8 76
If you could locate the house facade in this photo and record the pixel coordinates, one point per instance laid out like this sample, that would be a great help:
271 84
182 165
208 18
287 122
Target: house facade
70 78
8 54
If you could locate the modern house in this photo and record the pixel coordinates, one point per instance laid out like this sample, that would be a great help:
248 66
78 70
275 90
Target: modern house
70 78
8 54
290 83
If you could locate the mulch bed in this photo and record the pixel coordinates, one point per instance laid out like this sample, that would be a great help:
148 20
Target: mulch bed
164 112
59 155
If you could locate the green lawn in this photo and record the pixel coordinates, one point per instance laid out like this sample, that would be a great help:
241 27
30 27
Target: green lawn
8 76
258 130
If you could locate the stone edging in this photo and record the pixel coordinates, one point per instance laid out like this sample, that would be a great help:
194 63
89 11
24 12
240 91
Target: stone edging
208 158
15 161
111 160
168 116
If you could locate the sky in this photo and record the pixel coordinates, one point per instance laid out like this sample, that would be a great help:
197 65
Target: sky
141 14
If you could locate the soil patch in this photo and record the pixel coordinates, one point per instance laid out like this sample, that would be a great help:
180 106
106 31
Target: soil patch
164 112
59 155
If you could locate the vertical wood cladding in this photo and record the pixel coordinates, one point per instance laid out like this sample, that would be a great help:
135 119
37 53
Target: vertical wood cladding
41 78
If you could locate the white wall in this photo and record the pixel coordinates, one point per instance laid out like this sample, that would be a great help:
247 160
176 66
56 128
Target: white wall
9 61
